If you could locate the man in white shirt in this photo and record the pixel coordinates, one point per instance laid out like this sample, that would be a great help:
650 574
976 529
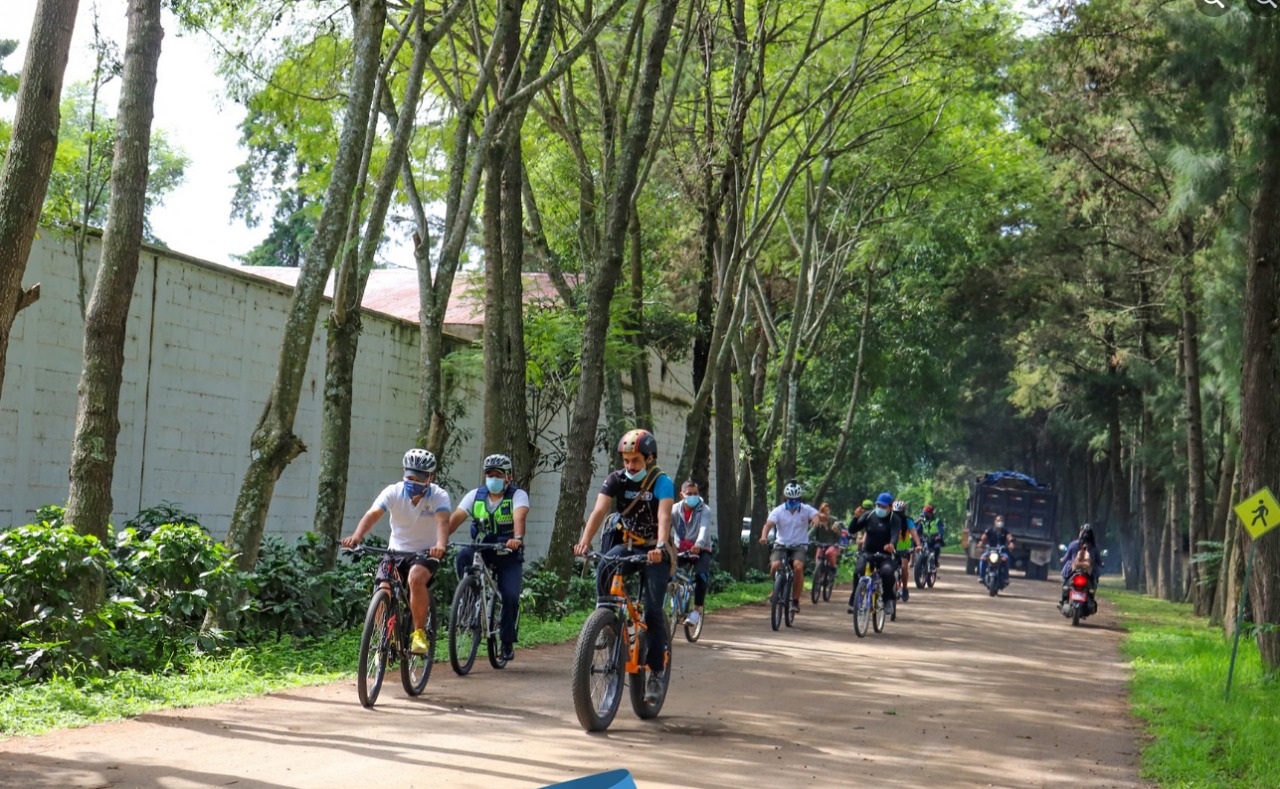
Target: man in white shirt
419 511
792 520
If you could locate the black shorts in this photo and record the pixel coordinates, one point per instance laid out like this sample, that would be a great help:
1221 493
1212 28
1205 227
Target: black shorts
404 560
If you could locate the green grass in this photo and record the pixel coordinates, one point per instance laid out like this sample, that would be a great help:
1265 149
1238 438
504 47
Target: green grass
66 702
1180 672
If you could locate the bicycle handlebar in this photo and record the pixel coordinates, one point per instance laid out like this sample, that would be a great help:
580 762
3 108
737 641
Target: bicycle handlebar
377 549
500 548
632 559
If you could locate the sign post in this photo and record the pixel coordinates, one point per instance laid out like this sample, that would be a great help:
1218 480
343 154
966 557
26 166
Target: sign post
1260 514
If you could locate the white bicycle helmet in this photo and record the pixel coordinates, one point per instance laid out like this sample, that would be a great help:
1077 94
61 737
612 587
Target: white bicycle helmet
899 506
419 460
793 490
500 462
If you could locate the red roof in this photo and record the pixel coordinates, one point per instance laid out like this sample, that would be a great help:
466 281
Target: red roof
394 292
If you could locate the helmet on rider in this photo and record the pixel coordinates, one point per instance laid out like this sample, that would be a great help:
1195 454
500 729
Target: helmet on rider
419 461
639 440
899 506
498 463
928 510
867 504
792 490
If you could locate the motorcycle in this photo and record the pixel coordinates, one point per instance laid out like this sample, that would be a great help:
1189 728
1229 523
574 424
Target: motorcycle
1078 600
994 576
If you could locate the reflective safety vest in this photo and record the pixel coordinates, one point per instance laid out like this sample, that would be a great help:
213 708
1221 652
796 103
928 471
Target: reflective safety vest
931 528
499 523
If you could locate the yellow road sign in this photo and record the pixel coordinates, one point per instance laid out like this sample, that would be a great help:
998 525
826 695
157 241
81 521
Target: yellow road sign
1260 513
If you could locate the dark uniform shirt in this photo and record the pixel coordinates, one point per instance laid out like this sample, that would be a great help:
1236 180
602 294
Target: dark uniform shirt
642 519
880 531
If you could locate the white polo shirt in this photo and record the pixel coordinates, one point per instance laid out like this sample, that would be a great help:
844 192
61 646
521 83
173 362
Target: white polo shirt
413 527
792 527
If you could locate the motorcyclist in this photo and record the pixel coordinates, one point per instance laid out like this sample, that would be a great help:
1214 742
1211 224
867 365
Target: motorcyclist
881 528
995 535
1085 540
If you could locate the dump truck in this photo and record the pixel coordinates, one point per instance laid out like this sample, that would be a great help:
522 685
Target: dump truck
1028 508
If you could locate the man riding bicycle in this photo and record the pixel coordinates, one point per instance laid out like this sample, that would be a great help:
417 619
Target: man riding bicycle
881 528
908 539
643 497
792 520
691 519
497 511
419 511
931 530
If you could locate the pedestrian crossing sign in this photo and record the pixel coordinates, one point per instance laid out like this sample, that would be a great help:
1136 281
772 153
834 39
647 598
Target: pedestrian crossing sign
1260 513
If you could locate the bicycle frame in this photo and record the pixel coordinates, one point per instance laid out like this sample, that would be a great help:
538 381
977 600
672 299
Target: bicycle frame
488 584
619 599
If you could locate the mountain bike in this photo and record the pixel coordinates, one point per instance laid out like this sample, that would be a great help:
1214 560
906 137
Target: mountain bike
780 608
388 627
612 645
824 578
679 601
868 598
900 577
476 612
926 567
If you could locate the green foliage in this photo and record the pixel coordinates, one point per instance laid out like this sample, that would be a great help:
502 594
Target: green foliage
1179 673
8 80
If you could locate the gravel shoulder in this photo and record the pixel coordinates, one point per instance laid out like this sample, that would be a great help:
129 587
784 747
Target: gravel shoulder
963 690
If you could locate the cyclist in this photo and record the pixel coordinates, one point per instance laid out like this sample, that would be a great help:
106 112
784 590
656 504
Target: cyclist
691 520
931 530
826 534
792 519
643 497
497 510
880 527
996 535
419 510
908 539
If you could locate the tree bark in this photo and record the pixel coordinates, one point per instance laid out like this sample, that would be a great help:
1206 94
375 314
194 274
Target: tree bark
1228 534
24 179
728 505
576 477
93 450
274 445
1260 381
1196 524
1115 467
846 429
640 394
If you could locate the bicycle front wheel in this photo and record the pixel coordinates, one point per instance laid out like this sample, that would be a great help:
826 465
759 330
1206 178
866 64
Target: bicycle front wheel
464 625
598 664
375 641
789 612
415 670
877 611
779 600
861 609
815 588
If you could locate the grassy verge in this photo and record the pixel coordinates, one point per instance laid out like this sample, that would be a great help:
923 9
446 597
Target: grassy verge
66 702
1180 672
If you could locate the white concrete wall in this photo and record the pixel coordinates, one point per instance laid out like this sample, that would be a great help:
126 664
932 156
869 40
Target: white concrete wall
203 342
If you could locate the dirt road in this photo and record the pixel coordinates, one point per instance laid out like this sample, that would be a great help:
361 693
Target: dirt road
962 691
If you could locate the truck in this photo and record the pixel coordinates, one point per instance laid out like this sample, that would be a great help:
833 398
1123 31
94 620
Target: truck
1028 508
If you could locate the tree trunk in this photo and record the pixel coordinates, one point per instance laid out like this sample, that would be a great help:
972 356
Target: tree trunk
1196 527
274 445
1164 579
93 450
640 394
345 322
1222 607
24 179
1150 512
728 504
1115 469
1260 382
576 477
1218 531
846 429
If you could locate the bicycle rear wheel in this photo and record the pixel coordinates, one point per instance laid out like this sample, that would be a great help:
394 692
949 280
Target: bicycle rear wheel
598 665
415 670
464 625
828 582
646 710
815 588
375 641
861 609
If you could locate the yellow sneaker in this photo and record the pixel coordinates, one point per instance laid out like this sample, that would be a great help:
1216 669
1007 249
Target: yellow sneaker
418 642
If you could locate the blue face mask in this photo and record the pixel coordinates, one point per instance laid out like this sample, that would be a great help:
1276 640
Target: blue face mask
495 484
793 504
636 477
692 501
414 489
882 512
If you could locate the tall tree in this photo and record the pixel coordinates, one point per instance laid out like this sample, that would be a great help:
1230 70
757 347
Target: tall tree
25 176
274 444
93 450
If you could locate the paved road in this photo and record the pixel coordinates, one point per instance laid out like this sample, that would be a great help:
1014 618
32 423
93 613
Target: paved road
962 691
